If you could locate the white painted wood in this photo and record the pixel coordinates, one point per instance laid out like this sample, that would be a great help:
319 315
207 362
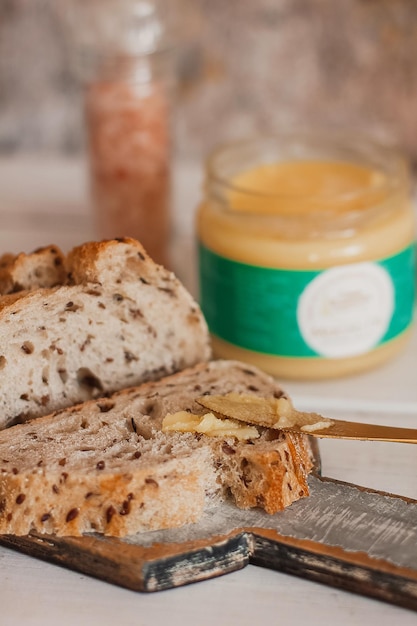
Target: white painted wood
44 201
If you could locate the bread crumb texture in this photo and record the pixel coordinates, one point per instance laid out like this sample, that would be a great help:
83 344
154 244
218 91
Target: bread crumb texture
103 318
105 465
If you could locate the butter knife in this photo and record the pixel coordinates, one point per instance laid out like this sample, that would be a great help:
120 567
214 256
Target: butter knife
262 412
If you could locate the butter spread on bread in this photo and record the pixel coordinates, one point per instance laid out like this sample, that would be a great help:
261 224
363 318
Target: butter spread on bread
207 424
106 466
115 320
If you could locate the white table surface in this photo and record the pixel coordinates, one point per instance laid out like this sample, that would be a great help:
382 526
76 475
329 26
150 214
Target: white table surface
44 200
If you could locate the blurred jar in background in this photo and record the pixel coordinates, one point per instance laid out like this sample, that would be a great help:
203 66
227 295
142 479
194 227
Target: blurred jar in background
127 60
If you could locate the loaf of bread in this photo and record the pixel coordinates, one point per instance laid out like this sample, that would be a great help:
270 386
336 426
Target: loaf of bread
101 319
107 466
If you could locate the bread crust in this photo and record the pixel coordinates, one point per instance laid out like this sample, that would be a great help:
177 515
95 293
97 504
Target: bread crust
44 267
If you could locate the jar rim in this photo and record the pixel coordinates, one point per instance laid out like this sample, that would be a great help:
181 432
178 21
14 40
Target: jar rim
368 152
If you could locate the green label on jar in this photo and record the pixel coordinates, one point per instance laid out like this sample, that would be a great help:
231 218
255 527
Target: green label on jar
338 312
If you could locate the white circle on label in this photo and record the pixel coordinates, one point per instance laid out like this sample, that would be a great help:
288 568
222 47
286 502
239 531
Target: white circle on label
345 311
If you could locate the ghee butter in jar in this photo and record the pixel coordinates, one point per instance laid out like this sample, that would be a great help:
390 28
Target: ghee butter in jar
307 255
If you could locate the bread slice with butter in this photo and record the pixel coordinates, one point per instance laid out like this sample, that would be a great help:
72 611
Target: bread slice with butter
115 319
112 466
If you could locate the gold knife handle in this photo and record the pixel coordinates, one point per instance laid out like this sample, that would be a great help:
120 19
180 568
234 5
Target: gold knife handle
341 429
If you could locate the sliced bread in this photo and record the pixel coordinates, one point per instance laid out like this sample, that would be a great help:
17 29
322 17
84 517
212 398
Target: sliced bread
117 320
106 466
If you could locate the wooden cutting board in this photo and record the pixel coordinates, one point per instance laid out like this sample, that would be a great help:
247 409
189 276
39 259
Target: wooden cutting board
342 535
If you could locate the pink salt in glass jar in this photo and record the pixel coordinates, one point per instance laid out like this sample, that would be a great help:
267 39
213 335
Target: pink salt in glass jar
126 51
128 125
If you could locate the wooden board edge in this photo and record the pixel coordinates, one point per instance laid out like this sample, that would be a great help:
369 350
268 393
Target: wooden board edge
356 572
138 568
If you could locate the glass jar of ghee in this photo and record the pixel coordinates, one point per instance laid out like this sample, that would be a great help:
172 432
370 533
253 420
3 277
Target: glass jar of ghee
307 254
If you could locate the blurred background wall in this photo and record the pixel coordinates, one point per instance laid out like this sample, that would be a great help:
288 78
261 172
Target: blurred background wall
244 66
